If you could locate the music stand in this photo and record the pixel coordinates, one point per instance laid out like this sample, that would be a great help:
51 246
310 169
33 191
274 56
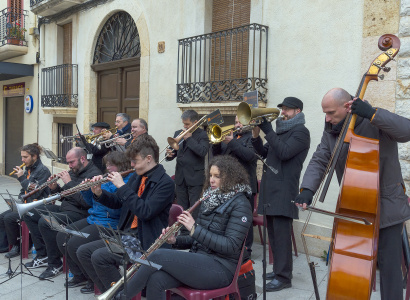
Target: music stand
113 241
59 222
50 154
11 202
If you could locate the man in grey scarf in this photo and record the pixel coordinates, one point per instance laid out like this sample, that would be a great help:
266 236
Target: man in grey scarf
285 150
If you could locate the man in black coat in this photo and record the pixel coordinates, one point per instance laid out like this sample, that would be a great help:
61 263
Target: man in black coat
190 168
35 173
74 207
144 200
285 151
239 145
97 154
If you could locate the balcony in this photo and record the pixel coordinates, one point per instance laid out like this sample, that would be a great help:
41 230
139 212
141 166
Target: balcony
47 8
220 67
12 33
59 90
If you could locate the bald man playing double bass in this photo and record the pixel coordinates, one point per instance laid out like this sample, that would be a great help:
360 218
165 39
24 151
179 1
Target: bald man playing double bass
390 129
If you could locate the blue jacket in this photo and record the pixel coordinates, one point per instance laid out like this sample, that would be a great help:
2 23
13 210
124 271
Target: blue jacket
100 214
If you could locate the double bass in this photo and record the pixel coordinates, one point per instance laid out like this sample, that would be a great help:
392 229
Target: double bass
353 250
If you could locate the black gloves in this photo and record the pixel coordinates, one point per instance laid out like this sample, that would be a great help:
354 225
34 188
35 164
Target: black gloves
265 126
305 196
363 109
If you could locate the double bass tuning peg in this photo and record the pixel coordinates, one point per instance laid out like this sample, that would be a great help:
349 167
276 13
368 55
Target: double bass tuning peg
386 69
381 77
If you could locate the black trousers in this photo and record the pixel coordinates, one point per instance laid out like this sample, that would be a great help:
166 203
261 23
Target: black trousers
249 237
9 223
279 233
101 265
199 271
389 258
188 195
75 242
45 238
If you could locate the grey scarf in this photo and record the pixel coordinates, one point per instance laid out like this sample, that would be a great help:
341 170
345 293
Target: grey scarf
283 126
215 198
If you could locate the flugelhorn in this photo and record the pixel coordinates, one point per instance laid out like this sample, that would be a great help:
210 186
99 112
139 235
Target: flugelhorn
12 173
91 138
217 134
158 243
174 142
254 116
111 142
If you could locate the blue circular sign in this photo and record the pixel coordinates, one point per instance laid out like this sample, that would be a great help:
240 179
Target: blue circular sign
28 104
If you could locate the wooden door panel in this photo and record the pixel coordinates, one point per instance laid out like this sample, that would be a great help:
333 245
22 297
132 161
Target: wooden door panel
131 88
14 132
108 101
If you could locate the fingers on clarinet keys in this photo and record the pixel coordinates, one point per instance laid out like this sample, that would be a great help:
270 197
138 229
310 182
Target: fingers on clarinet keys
362 109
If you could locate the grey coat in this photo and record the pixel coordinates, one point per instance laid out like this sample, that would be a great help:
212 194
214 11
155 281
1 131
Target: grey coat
286 153
389 129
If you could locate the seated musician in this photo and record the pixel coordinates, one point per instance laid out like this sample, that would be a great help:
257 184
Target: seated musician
145 201
74 207
215 238
99 215
35 173
390 129
138 127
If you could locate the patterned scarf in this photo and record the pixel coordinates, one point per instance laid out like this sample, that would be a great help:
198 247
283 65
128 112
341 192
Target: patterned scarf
283 126
217 198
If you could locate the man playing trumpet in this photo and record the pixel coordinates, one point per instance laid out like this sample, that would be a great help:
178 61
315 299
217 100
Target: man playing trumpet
36 173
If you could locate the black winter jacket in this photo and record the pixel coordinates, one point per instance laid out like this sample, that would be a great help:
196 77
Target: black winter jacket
221 232
76 202
38 173
152 208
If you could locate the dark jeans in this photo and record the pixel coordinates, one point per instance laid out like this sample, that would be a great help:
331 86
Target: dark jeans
45 238
195 270
100 265
75 242
188 195
279 233
9 223
389 258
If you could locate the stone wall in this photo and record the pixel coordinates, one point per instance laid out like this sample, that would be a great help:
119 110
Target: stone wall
403 85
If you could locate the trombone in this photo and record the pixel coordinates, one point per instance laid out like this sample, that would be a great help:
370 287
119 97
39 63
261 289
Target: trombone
174 142
254 116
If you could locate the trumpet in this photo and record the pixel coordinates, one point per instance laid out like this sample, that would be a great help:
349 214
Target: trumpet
254 116
158 243
217 134
111 142
12 173
174 142
72 138
98 136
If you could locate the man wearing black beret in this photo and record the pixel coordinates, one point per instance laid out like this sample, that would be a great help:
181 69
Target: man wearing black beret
285 150
96 154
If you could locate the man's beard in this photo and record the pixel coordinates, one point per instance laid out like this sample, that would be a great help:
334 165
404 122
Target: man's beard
79 167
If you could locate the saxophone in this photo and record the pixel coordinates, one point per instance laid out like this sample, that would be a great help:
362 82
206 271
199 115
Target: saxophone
157 244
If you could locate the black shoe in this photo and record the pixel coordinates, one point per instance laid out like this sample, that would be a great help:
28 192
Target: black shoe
77 281
276 285
271 275
88 289
37 262
51 272
15 251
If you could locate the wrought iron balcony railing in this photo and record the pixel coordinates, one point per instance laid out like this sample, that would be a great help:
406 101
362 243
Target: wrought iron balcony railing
12 27
59 87
35 2
222 66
